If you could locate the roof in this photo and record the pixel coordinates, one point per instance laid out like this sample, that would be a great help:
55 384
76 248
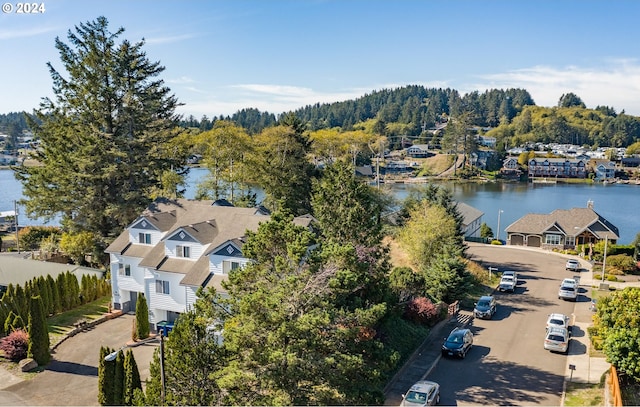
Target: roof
210 223
17 270
469 213
570 222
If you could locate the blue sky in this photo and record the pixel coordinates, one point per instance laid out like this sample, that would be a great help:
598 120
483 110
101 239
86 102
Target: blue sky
225 55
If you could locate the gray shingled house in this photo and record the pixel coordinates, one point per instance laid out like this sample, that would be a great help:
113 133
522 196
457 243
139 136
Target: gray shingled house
561 229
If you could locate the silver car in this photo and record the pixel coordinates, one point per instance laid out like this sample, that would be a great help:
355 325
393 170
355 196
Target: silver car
568 289
557 340
557 321
423 393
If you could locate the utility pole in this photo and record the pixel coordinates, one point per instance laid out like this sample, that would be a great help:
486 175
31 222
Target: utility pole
15 209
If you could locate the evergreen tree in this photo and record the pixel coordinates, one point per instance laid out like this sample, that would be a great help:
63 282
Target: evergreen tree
104 381
297 326
348 210
485 231
142 318
193 359
282 167
38 333
119 380
105 137
131 379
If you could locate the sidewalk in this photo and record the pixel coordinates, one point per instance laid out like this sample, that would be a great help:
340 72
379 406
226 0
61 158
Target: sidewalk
423 360
581 367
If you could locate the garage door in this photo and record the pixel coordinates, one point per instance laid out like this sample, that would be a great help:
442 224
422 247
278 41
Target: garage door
533 241
517 240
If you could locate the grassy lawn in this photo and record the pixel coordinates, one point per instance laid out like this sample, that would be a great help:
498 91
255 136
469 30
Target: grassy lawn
584 394
62 323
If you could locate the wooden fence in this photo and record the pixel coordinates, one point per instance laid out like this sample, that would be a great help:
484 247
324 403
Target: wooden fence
614 385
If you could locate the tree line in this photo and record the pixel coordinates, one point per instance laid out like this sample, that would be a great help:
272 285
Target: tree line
58 295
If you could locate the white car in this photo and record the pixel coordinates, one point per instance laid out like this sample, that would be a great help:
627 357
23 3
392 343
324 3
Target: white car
507 283
512 274
568 289
557 321
572 264
423 393
557 340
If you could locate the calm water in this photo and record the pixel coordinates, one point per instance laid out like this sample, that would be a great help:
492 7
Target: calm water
620 204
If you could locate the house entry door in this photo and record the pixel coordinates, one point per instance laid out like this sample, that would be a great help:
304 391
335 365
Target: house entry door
133 300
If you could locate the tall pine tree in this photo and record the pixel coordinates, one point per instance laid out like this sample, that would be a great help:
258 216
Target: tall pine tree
105 136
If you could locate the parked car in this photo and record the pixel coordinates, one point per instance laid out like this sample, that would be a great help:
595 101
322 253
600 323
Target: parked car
568 289
557 340
558 321
507 283
572 264
485 307
512 274
458 343
423 393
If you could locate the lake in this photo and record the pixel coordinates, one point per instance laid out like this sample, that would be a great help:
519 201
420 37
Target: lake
618 203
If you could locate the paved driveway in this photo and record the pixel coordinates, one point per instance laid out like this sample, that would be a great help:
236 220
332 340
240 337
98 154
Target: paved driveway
71 378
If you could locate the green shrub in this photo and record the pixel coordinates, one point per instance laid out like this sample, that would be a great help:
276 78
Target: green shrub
622 263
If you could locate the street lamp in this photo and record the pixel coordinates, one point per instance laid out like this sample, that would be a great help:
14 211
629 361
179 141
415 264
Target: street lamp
499 212
113 355
604 259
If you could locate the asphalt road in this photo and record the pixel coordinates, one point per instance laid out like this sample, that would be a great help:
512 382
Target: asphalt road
508 364
71 378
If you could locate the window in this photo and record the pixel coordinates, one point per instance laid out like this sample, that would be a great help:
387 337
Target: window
144 238
162 287
227 266
553 239
124 269
183 251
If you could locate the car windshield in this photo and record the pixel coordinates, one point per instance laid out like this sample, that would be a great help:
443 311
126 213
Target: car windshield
455 339
416 397
483 304
557 338
557 322
566 288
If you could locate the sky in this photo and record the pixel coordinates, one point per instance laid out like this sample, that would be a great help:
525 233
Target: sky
222 56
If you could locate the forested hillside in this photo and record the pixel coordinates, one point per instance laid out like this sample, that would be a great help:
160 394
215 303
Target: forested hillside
407 113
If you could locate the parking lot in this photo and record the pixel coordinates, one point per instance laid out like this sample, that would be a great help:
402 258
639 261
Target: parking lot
71 378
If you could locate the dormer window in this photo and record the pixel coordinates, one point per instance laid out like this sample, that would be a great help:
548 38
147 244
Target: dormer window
144 238
183 251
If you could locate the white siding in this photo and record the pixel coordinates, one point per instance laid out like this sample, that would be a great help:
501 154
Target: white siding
190 293
216 263
170 249
160 303
121 285
156 236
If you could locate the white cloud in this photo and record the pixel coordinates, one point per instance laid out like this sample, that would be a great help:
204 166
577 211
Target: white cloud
22 33
615 85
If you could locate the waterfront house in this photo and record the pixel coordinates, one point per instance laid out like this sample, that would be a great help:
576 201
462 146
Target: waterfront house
605 170
419 151
471 219
177 246
561 229
557 168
